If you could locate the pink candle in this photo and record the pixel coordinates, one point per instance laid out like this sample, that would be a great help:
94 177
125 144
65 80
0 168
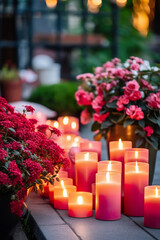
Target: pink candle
94 194
109 166
61 196
62 174
108 196
152 207
71 156
39 116
63 181
46 190
80 204
116 152
91 146
51 194
86 168
136 155
69 124
66 141
136 178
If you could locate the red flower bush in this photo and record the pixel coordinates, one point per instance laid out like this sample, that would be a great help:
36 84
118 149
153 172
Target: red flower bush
27 157
125 93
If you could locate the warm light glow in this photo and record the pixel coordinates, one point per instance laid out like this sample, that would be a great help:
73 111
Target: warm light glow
56 124
39 114
73 125
120 144
62 184
96 2
69 138
76 139
94 5
107 177
80 200
156 192
137 168
65 193
51 3
65 120
121 3
90 145
109 166
136 154
75 144
86 156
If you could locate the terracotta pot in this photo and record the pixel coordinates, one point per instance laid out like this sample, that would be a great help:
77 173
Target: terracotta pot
12 90
8 220
118 131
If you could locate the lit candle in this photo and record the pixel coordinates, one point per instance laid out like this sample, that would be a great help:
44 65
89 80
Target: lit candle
51 194
69 125
136 178
80 204
62 174
152 207
64 181
108 196
45 190
61 196
91 146
116 152
94 194
136 155
66 141
39 116
109 166
86 168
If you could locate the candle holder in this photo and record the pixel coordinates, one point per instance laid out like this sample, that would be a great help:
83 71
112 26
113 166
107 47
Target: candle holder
91 146
69 125
152 207
136 178
86 169
61 196
80 204
136 155
108 196
109 166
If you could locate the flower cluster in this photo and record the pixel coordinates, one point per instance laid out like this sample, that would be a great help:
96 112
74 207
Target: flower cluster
125 93
27 157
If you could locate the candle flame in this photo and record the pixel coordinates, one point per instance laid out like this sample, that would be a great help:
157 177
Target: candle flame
107 177
76 139
109 167
65 120
56 124
137 168
136 154
80 200
120 144
62 184
156 192
75 144
73 125
68 137
65 193
86 156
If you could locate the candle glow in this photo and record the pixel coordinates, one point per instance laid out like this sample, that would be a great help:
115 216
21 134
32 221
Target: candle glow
73 125
120 144
65 120
80 200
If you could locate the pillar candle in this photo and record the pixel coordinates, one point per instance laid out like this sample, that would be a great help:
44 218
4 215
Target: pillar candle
152 207
86 168
136 178
51 194
69 124
116 152
136 155
46 190
108 196
109 166
63 181
66 141
62 174
91 146
94 194
61 196
80 204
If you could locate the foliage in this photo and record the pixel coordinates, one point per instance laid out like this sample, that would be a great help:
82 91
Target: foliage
27 157
126 93
9 72
58 97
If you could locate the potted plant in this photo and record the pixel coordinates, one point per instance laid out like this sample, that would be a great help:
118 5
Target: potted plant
27 159
11 87
124 102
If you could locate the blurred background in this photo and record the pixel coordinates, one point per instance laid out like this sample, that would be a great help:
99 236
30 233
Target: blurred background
44 44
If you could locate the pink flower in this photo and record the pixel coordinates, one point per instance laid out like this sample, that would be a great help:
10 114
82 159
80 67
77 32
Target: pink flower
105 86
16 207
135 112
136 95
123 100
29 109
108 65
154 100
131 86
97 103
100 118
84 76
134 66
149 131
146 84
120 73
85 117
98 70
137 59
116 61
83 97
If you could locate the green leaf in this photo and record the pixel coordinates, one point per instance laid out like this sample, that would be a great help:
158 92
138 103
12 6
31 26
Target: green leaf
153 119
106 124
95 126
139 142
141 123
12 130
128 122
117 118
112 104
157 131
